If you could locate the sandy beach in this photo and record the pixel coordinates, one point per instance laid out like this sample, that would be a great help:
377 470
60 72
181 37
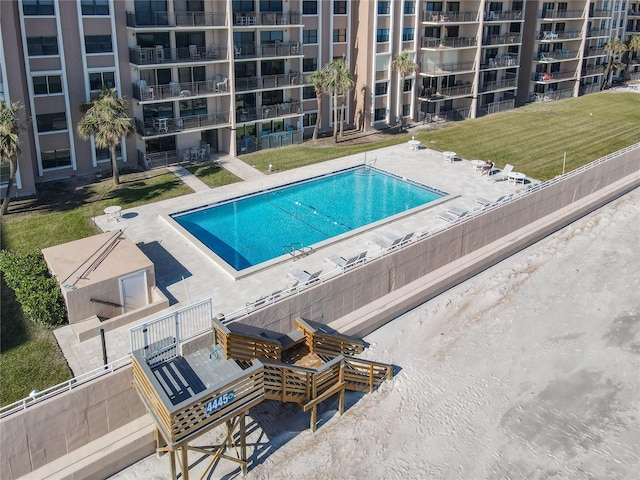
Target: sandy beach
529 370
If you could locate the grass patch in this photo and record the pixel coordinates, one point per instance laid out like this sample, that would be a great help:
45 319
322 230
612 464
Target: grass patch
532 138
213 175
29 355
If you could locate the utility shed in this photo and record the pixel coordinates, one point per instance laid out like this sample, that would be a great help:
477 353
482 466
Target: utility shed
103 278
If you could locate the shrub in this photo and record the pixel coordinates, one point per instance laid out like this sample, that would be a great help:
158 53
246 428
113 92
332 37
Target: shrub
37 292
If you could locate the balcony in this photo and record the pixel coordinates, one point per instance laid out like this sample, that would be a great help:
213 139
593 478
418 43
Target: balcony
502 39
450 17
250 19
160 55
449 42
167 126
432 94
200 153
553 76
592 70
266 50
244 84
551 14
499 85
599 13
552 95
597 33
595 52
498 62
557 56
269 140
175 90
493 16
447 68
293 107
176 19
555 36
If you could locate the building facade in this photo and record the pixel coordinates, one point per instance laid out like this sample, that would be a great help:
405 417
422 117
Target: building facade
211 77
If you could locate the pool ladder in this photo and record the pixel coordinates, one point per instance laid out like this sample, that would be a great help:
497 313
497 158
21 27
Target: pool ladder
297 250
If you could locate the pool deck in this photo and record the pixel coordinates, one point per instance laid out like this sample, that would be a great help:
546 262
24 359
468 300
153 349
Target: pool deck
186 275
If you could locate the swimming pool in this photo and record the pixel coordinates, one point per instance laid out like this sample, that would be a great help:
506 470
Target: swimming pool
247 231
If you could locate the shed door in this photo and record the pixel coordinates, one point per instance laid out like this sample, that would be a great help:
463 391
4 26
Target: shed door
133 291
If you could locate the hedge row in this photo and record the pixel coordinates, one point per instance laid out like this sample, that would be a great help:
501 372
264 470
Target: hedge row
38 293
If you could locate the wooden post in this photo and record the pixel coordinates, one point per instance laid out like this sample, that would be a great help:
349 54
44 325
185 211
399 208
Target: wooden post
160 443
243 442
371 378
185 463
313 418
341 394
229 434
172 464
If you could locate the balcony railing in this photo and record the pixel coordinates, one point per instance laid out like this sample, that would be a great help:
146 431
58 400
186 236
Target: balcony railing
594 52
586 89
551 95
593 70
503 61
269 140
176 19
180 90
553 76
597 33
456 91
160 55
599 13
566 35
249 19
493 16
449 17
446 68
293 107
164 126
200 153
557 55
449 42
268 81
282 49
562 14
502 39
499 84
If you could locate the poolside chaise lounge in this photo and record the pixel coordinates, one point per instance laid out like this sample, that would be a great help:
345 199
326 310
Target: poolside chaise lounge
503 175
449 217
302 277
344 263
485 202
458 212
389 243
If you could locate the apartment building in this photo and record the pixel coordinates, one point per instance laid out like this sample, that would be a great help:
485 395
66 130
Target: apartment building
205 77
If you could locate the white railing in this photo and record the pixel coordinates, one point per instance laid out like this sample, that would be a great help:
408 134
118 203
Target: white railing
159 339
37 396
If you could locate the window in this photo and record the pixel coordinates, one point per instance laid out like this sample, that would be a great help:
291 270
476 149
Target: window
407 34
100 80
309 64
406 110
51 122
339 7
42 46
310 7
271 36
272 97
309 36
103 154
308 92
339 35
97 43
47 84
381 88
309 119
380 114
384 8
408 83
56 158
409 8
382 35
37 7
95 7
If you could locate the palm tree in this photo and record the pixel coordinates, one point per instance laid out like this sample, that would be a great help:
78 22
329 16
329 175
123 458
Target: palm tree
10 126
107 119
318 80
403 65
615 48
338 81
633 45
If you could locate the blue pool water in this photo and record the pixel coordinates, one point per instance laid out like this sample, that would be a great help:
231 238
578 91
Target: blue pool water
255 229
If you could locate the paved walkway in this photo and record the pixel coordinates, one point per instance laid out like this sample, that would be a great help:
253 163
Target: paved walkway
239 168
188 178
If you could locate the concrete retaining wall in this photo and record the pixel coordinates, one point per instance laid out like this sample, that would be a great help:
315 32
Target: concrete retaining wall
355 303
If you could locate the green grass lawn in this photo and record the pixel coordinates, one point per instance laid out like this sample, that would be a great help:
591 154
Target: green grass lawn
532 138
29 354
213 175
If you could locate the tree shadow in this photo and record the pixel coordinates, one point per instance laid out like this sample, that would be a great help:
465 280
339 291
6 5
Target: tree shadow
13 330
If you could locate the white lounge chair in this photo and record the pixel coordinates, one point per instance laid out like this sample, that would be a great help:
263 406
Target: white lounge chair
302 277
389 243
449 217
503 175
458 212
344 263
485 202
